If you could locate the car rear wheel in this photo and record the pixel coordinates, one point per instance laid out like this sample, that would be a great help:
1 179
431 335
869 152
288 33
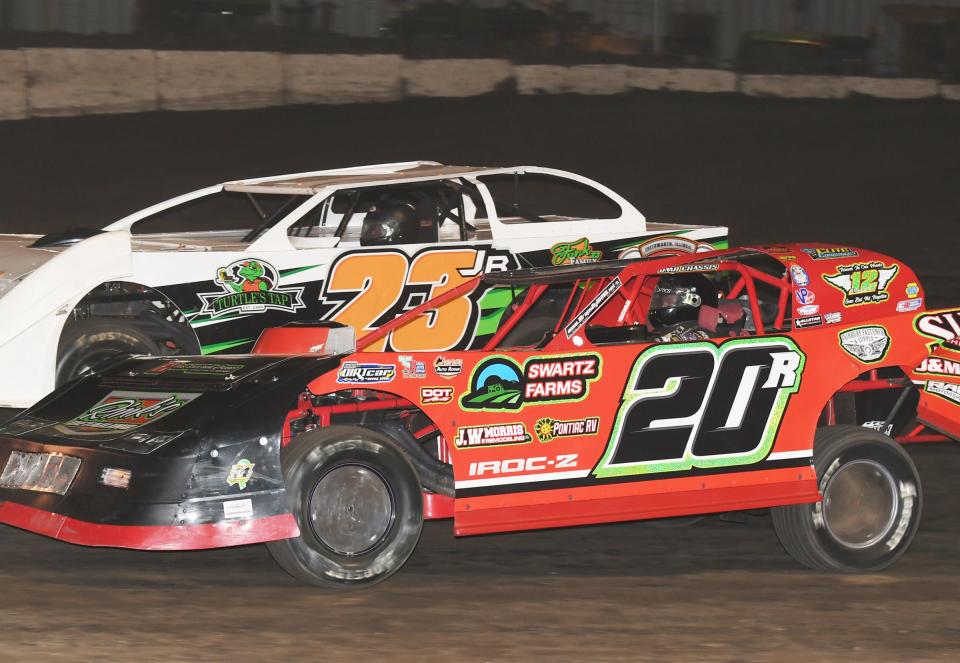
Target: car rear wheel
87 344
358 503
870 507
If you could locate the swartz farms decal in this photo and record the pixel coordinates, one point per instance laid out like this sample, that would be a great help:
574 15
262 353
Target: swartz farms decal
500 383
124 411
250 286
863 283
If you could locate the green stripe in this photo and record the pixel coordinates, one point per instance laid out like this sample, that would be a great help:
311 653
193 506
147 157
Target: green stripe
295 270
214 348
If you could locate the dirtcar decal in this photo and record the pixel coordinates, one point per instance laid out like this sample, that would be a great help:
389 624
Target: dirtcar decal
831 253
939 366
447 368
943 326
123 411
435 395
946 390
574 253
863 283
496 435
353 373
250 286
799 276
867 344
240 473
498 383
412 368
602 298
700 405
547 429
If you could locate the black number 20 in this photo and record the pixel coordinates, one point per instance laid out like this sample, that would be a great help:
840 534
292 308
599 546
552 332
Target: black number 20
699 405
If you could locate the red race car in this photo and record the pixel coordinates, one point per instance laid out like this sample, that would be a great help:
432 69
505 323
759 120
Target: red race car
775 376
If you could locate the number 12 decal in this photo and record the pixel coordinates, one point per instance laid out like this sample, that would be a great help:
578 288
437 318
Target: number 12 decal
698 405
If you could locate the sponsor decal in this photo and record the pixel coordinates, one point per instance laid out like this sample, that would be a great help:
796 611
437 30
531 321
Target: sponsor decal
354 373
412 368
602 298
867 344
912 289
776 248
240 473
250 286
665 246
863 283
809 309
831 253
799 276
435 395
942 325
812 321
199 368
908 305
498 383
238 509
447 367
495 435
805 296
517 465
682 333
690 267
939 366
879 426
547 429
947 390
833 318
123 411
574 253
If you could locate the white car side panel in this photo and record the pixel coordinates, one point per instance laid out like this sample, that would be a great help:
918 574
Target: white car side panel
40 305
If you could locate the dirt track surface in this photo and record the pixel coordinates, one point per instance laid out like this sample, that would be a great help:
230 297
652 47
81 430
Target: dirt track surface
882 175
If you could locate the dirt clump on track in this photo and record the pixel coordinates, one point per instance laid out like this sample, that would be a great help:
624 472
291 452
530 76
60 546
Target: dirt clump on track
878 174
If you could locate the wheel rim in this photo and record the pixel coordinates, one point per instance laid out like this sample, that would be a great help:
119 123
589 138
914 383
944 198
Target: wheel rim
860 504
351 509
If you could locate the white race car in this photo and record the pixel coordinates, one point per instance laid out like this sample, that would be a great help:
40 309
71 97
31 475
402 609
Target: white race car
207 271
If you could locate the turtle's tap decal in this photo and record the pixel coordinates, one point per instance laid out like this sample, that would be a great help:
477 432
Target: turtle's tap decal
250 286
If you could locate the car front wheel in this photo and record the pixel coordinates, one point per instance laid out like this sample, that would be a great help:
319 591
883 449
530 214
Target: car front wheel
358 503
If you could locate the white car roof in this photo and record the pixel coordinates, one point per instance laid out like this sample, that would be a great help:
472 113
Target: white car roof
407 171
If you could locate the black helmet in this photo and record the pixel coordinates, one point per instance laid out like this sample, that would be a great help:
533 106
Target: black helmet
389 222
677 298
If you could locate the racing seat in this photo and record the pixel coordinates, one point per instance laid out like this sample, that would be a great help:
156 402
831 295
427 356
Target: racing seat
727 319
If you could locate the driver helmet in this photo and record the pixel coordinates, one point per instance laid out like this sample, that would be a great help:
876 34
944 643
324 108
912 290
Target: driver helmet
677 299
389 222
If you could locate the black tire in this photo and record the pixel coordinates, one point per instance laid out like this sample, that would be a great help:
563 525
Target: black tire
87 344
370 476
870 511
